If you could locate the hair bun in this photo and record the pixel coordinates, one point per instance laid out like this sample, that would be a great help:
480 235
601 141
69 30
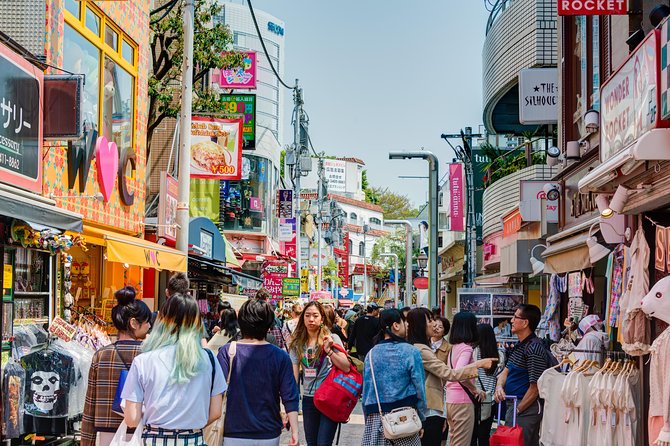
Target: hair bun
125 296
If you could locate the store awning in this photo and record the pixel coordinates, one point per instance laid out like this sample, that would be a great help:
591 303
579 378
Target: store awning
231 259
33 208
652 146
568 254
205 239
136 251
491 280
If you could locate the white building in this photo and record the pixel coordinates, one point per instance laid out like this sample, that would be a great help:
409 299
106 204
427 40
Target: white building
344 175
269 92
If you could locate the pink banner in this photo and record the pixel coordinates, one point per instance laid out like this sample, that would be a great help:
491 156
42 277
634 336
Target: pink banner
273 273
239 78
456 186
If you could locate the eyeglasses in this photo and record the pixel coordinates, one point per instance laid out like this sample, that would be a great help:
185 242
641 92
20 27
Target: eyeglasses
519 317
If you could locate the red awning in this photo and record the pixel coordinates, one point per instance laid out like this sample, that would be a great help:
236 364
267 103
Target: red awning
345 302
359 269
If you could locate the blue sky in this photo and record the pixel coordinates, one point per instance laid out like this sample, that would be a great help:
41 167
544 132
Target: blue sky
385 75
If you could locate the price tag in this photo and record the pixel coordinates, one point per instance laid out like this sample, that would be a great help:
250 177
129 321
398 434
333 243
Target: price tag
62 329
310 373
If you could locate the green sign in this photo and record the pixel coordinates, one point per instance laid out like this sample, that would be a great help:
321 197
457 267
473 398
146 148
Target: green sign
205 199
290 286
242 106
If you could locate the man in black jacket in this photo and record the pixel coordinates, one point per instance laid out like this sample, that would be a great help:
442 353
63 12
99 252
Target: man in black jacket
365 329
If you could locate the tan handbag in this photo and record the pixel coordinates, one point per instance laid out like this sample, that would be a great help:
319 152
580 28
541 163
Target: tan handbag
213 433
399 423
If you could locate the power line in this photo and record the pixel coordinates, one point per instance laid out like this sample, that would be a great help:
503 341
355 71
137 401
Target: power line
265 50
168 6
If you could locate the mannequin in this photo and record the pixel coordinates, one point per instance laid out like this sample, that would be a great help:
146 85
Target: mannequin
593 338
657 304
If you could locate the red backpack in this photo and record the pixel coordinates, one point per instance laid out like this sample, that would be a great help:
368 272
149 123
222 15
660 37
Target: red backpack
337 395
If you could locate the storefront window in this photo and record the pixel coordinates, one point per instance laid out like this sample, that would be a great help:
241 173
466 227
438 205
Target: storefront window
246 204
128 52
112 38
84 58
118 105
72 6
92 22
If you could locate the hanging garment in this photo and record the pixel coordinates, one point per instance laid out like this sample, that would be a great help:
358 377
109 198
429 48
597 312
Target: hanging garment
553 426
49 378
659 380
621 266
636 332
550 318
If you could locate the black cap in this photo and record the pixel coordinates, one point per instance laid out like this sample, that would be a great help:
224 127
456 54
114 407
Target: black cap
372 307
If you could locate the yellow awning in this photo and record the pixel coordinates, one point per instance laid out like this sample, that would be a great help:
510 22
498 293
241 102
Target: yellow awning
231 260
136 251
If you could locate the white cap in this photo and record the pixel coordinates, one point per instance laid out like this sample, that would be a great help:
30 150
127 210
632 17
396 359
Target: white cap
589 322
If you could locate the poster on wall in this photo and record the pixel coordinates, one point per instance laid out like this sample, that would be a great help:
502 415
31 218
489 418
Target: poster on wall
479 304
506 304
21 85
167 207
216 148
239 78
490 305
242 106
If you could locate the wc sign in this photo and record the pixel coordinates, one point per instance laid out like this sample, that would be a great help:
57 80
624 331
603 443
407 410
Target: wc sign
531 200
592 7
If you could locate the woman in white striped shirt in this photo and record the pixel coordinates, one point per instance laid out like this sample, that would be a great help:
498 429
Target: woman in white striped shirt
486 381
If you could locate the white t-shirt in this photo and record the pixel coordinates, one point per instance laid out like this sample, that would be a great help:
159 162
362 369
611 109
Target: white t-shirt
553 421
169 405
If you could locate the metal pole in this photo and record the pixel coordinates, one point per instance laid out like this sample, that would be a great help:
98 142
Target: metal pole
318 223
185 129
297 99
433 178
397 275
408 257
472 226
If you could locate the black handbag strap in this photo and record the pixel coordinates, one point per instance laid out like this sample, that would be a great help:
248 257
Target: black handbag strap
125 364
470 395
210 355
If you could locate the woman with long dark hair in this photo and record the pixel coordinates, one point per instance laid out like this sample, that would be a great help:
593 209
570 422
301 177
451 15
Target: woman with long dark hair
461 413
420 330
399 376
172 379
486 381
312 351
131 318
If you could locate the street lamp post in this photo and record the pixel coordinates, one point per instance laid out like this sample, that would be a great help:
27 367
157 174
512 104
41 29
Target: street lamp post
397 276
408 255
433 172
366 228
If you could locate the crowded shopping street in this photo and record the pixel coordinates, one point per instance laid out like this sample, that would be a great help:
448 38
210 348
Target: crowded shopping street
293 222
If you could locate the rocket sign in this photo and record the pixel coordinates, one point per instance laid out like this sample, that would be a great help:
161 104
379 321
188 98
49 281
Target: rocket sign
592 7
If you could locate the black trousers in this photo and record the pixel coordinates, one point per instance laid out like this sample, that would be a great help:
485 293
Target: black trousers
432 431
482 432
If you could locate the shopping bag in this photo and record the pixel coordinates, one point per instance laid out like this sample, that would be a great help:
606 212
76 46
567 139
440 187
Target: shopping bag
507 435
120 437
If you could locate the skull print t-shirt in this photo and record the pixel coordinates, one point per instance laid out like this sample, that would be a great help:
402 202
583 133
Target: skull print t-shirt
49 376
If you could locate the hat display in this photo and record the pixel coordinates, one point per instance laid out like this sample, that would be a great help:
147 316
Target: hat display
588 322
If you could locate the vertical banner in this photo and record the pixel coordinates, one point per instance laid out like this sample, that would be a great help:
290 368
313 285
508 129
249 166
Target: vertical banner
204 199
285 203
167 207
457 211
273 276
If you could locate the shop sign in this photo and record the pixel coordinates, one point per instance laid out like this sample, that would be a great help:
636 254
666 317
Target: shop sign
285 203
204 199
167 207
421 283
273 274
511 223
291 286
531 197
304 280
538 96
630 100
21 86
489 250
216 148
206 243
582 204
62 329
236 106
592 7
457 214
343 261
273 27
239 78
665 68
286 229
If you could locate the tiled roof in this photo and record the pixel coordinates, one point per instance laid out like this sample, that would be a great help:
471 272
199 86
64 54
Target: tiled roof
352 160
359 230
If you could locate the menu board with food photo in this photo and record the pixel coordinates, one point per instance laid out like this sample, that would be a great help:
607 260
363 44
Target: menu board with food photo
216 148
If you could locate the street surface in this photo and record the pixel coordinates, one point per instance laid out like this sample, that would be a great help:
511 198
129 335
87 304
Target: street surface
350 433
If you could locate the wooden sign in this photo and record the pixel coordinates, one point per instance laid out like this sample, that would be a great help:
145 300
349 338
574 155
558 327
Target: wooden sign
62 329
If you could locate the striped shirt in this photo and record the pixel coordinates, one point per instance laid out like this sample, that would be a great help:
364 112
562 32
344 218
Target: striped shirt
530 355
103 379
488 381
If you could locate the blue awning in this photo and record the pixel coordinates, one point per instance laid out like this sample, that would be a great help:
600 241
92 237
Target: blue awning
205 240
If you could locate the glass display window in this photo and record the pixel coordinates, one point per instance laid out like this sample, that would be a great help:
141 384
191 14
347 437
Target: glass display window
246 204
85 275
30 283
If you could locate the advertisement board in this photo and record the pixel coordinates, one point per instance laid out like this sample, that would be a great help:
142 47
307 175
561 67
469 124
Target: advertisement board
489 304
273 276
216 148
239 78
291 286
284 203
456 201
530 201
21 85
204 199
630 100
592 7
538 96
242 106
167 207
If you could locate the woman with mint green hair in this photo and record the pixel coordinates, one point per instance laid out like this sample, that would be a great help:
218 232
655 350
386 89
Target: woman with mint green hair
177 381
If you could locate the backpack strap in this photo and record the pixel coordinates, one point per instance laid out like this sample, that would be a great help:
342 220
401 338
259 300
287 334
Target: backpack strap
210 355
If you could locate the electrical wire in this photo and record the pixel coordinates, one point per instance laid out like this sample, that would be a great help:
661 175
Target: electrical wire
265 50
170 6
160 8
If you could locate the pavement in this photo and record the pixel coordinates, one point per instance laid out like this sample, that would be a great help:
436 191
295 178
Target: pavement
351 433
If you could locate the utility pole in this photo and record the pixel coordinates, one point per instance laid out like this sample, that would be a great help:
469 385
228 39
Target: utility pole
297 120
464 154
320 186
185 129
365 266
408 256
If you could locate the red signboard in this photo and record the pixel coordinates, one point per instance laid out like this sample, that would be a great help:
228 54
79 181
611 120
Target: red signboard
457 211
421 283
343 261
273 273
592 7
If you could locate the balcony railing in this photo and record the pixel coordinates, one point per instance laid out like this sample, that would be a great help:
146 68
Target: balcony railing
495 8
506 162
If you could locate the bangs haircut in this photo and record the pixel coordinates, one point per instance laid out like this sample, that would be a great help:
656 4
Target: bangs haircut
255 318
418 319
464 329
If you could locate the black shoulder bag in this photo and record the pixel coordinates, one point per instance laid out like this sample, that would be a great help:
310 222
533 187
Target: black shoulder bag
477 405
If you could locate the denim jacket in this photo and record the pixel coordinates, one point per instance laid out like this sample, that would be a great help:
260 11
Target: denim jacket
399 375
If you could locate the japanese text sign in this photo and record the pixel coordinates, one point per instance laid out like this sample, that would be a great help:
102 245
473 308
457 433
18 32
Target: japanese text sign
457 216
243 77
273 275
291 286
62 329
21 87
242 106
216 148
629 100
285 203
592 7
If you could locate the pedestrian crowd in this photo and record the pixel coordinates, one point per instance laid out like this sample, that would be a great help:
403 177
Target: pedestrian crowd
425 381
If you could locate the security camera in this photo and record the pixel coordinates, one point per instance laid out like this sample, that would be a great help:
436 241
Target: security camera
553 152
552 191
